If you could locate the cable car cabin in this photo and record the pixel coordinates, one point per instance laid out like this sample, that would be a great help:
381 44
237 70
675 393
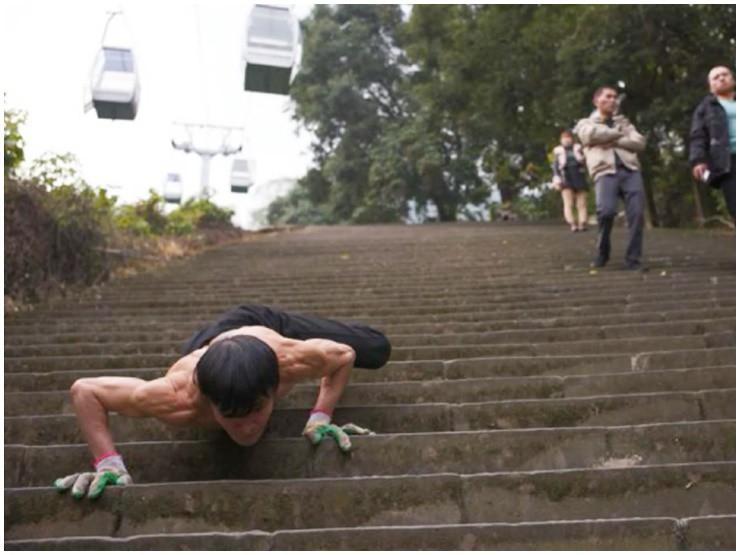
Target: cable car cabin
173 188
270 49
241 179
115 84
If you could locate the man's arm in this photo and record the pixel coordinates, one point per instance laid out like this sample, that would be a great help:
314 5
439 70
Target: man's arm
631 140
93 398
337 363
591 133
698 143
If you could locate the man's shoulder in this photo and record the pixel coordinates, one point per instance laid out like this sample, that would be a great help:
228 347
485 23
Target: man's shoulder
707 101
582 122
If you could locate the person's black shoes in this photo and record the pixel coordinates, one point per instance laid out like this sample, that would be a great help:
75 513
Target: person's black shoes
599 262
635 267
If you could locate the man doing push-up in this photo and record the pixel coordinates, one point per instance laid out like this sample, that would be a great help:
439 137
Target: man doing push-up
230 376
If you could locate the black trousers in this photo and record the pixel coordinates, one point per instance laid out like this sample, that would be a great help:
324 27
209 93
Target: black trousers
372 348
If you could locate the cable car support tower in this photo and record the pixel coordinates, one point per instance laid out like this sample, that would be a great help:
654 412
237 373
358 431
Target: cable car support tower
207 149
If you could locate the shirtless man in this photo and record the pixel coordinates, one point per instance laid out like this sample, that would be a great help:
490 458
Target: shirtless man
232 373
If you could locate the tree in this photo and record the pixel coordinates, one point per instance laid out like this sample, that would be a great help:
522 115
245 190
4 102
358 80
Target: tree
13 154
345 94
422 110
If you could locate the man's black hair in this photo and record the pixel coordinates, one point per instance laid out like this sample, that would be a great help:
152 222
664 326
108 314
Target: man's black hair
236 374
601 89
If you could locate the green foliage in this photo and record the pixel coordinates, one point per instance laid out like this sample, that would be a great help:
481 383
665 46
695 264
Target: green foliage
422 110
297 208
54 235
198 214
147 217
13 140
56 170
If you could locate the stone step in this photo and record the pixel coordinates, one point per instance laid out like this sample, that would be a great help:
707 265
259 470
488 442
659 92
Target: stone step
627 534
447 391
565 334
145 330
388 290
674 491
399 354
452 297
603 410
435 370
389 454
370 310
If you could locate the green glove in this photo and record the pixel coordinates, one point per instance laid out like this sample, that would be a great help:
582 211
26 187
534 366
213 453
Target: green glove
109 470
319 426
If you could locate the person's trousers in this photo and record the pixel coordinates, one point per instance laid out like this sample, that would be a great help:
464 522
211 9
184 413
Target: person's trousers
372 348
728 185
627 185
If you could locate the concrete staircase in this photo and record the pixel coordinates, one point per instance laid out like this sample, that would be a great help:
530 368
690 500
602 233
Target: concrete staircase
529 402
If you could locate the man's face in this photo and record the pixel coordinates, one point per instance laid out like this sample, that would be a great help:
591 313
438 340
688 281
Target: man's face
606 101
721 80
246 429
566 139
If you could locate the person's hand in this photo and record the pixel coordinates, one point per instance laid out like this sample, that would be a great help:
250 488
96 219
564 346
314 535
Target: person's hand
319 426
109 470
698 171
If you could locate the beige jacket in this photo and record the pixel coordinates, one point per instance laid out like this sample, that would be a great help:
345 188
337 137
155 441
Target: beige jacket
601 141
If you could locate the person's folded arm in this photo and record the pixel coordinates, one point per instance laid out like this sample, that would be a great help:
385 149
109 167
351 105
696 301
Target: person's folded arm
592 133
632 140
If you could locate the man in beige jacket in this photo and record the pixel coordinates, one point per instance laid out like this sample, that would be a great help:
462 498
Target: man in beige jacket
611 144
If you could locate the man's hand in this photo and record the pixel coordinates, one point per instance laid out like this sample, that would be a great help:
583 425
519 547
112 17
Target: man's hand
319 426
109 470
698 171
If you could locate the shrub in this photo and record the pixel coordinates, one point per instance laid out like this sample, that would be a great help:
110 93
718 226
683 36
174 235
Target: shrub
53 236
145 218
196 214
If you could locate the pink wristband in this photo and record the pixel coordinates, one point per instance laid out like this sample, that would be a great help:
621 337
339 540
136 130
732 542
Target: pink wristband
101 457
314 411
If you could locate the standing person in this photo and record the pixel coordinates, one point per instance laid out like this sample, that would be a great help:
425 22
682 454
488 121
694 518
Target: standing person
611 144
712 139
568 178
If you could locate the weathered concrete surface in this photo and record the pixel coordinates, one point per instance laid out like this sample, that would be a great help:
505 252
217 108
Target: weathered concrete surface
624 534
370 501
530 403
393 454
603 410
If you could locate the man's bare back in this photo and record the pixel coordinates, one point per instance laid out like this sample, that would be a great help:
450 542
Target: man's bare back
296 362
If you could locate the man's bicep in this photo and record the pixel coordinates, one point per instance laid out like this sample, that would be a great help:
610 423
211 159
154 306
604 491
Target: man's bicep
115 394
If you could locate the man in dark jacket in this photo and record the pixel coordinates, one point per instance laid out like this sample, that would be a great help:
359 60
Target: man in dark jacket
712 145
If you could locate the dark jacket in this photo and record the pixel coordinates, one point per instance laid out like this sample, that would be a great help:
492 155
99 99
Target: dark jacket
709 142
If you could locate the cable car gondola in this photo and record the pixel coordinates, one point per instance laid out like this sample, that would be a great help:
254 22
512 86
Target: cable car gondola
241 178
173 188
270 49
114 81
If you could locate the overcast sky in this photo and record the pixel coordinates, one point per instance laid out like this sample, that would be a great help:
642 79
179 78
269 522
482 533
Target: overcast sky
188 56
